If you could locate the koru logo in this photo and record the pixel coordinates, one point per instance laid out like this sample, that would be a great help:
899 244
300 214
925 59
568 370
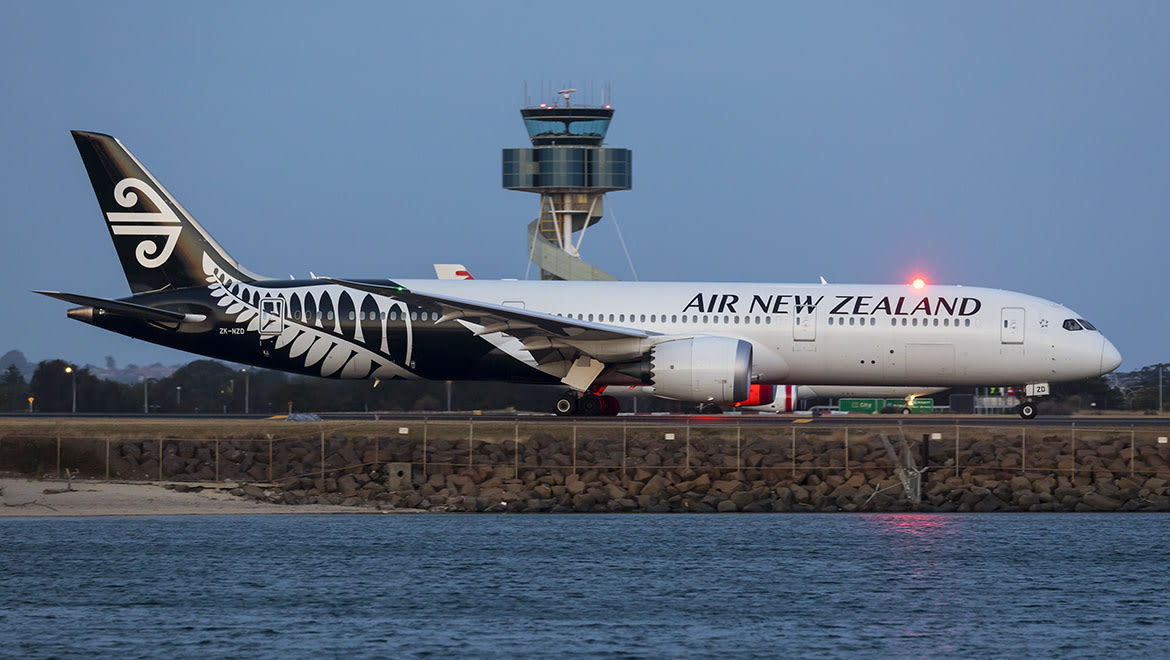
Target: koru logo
164 223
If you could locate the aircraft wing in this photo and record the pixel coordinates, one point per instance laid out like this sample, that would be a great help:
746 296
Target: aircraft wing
121 308
574 350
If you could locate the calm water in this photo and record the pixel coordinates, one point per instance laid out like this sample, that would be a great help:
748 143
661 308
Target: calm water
504 586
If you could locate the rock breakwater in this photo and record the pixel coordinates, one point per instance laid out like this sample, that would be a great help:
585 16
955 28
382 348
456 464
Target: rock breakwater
639 470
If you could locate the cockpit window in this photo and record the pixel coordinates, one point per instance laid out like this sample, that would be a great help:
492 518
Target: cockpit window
1088 326
1071 324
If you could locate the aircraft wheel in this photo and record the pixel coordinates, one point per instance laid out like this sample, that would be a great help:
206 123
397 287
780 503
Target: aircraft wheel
589 405
905 411
710 409
610 406
566 405
1028 410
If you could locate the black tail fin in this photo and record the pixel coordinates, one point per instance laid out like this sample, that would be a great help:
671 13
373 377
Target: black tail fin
160 244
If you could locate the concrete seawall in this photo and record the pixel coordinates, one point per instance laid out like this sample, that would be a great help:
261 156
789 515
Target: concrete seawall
648 467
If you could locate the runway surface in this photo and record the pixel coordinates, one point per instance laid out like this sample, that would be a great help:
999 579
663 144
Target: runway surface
836 420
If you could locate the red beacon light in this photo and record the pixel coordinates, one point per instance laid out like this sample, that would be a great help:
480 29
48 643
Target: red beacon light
918 283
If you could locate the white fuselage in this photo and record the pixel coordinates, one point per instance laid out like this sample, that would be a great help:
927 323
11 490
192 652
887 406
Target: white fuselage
833 334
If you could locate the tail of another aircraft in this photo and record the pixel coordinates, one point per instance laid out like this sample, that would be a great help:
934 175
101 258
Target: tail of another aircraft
160 244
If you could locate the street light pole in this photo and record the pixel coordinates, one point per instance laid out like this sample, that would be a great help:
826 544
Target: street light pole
73 384
247 392
145 396
178 396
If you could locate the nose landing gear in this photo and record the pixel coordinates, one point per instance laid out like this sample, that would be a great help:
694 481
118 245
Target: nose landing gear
1027 409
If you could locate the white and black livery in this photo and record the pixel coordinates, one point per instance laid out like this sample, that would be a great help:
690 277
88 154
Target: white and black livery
710 343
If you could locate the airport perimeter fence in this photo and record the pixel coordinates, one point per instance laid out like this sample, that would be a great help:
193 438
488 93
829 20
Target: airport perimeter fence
780 453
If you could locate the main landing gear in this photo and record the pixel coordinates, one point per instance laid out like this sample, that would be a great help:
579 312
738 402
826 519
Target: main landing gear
588 404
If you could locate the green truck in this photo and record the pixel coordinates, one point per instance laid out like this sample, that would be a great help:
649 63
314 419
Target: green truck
874 406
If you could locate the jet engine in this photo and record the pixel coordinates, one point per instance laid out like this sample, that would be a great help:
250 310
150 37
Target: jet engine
707 369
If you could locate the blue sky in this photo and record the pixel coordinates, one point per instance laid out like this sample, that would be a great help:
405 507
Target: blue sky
1013 145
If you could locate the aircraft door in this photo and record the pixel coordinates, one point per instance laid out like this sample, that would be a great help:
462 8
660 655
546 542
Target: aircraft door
271 317
804 326
1011 329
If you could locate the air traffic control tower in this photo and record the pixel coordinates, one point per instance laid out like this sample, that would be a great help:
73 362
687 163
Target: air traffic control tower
571 172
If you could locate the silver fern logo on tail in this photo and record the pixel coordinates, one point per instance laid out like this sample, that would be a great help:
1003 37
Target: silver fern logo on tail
163 224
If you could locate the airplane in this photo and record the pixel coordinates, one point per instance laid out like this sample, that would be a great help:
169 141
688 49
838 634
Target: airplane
715 343
780 398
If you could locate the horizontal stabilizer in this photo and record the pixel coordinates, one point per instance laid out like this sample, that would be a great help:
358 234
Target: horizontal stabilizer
121 308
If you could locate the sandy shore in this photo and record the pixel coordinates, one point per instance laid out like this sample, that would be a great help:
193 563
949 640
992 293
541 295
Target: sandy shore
26 498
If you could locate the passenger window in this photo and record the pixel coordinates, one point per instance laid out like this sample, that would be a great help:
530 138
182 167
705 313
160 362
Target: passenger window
737 320
622 318
684 318
914 322
643 318
936 323
351 316
851 320
329 316
768 320
903 323
705 318
967 322
673 318
590 317
1071 324
1086 324
414 316
715 319
830 320
872 321
611 318
757 320
694 318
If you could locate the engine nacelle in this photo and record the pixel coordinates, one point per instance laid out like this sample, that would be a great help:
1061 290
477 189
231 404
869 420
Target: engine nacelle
758 395
707 369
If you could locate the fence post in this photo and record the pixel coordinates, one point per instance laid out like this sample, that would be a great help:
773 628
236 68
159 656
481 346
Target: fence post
322 460
107 459
217 459
1074 449
516 453
688 458
160 461
625 447
738 452
794 452
574 449
59 456
269 458
424 465
956 449
847 473
1023 447
1132 451
470 436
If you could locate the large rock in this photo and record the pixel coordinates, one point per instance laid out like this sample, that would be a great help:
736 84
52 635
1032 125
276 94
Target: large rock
1100 502
655 486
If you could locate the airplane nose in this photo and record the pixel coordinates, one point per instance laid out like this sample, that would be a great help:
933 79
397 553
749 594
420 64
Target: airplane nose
1110 356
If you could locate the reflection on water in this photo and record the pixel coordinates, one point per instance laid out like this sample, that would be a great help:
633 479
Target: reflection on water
889 585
